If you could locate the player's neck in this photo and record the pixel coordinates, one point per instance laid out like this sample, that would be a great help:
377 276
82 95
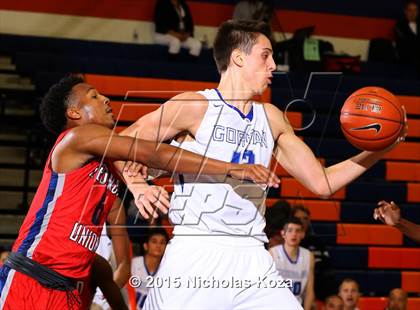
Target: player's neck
152 262
291 251
233 91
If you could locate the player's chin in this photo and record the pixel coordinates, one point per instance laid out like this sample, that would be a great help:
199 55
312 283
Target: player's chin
262 89
110 123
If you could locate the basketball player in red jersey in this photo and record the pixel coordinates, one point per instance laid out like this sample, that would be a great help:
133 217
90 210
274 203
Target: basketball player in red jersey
51 259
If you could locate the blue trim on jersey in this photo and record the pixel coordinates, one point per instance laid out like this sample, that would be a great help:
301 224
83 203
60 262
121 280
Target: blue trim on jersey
250 115
181 181
39 217
147 270
290 260
4 273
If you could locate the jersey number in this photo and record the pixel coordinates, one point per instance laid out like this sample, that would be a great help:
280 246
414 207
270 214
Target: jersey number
297 287
246 157
96 217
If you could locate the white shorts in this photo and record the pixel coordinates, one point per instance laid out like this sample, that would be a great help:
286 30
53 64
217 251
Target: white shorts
216 272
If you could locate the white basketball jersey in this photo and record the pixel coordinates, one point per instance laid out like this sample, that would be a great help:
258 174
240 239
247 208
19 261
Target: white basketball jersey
139 269
297 271
220 205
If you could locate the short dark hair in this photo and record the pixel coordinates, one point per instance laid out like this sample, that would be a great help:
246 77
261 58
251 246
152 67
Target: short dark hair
348 280
331 297
292 220
408 2
276 216
302 208
236 34
157 231
55 102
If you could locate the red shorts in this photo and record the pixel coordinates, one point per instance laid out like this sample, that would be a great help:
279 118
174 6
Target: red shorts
23 292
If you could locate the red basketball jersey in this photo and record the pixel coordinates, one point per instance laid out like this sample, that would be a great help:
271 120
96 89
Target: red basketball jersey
64 223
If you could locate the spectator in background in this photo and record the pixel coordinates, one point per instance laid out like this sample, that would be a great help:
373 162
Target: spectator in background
296 263
397 300
349 292
333 302
3 256
324 277
148 265
407 35
258 10
276 217
174 27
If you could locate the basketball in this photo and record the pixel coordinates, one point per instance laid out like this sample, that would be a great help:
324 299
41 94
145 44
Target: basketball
372 118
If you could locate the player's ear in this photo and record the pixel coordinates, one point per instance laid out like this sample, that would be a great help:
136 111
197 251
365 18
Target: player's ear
237 57
283 233
145 247
73 113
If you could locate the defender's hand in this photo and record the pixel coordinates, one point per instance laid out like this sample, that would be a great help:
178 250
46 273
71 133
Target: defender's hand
256 173
149 199
388 213
132 169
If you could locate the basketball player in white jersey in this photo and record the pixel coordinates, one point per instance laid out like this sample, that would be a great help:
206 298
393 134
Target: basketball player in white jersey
217 258
146 266
296 263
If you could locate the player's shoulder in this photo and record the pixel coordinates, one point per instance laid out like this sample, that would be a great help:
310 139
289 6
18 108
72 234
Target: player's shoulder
275 249
305 251
191 102
87 130
269 107
137 260
80 134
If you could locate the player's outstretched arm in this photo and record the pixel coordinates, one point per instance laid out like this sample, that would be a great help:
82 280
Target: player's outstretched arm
96 141
120 242
298 159
390 214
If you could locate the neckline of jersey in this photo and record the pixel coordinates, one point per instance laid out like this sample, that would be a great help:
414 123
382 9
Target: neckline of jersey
287 255
250 114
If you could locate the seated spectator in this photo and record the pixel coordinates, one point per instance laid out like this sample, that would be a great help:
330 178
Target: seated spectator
407 35
174 27
3 256
397 300
333 302
324 277
147 265
349 292
276 217
259 10
296 263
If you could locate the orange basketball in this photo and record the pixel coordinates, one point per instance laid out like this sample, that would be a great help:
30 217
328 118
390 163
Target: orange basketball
372 118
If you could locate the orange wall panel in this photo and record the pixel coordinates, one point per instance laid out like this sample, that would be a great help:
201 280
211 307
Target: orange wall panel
368 234
397 258
402 171
413 192
410 281
292 188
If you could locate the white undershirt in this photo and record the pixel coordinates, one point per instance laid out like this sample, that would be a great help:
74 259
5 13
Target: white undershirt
413 26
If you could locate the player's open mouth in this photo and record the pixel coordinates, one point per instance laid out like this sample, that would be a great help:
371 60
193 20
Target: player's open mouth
109 110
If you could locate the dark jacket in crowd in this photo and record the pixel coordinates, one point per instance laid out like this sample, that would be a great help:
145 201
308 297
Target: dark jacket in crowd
167 18
407 42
